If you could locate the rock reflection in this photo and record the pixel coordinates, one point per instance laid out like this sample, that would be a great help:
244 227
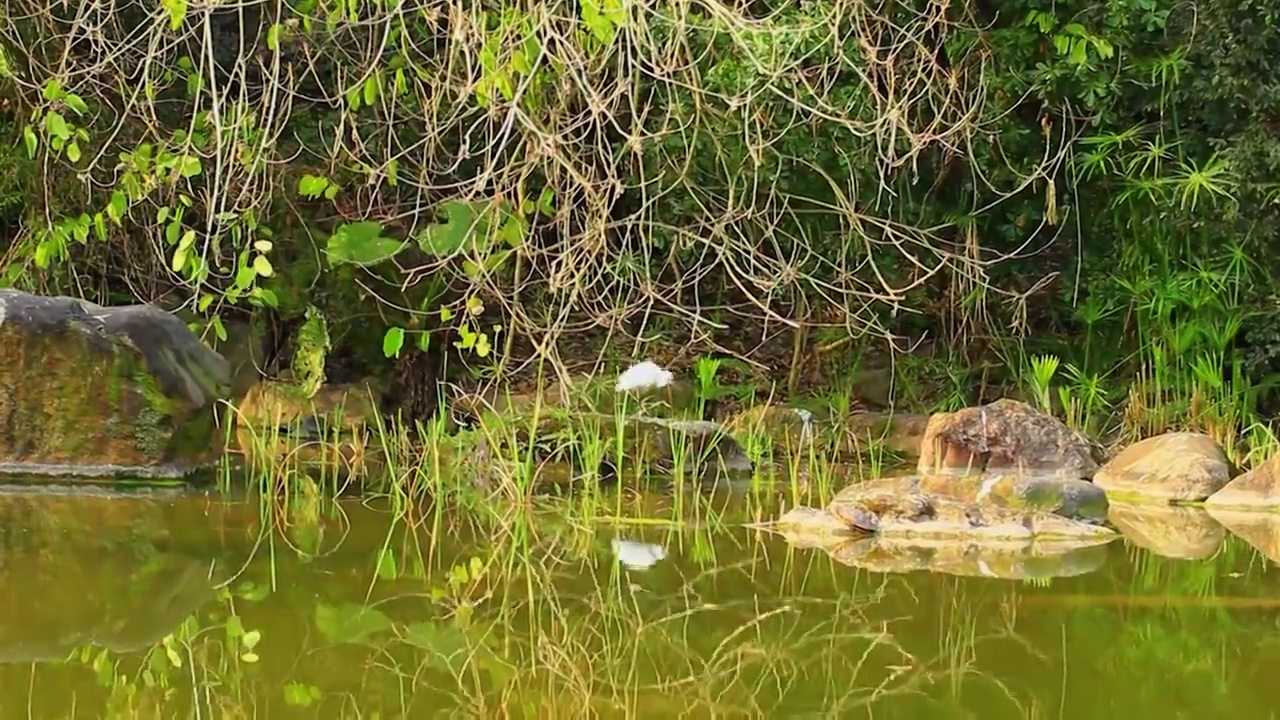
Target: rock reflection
1261 529
1179 532
1013 561
87 568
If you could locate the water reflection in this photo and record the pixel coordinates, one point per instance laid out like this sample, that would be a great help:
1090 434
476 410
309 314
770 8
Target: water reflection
1172 531
637 555
183 607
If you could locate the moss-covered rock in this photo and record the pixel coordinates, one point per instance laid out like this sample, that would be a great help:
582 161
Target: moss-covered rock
92 391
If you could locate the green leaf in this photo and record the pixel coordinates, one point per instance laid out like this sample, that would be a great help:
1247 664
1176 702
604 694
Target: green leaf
262 266
179 259
392 342
245 276
299 695
1078 55
273 38
76 103
387 569
56 125
73 152
52 90
189 166
251 639
350 623
362 244
445 646
463 221
30 140
117 207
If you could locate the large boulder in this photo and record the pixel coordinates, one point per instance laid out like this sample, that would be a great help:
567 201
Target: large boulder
1257 488
87 390
1005 435
1173 467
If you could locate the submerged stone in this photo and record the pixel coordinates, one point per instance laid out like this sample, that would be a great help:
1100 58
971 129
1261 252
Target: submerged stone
87 390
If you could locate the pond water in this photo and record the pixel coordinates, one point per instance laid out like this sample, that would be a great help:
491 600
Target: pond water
150 605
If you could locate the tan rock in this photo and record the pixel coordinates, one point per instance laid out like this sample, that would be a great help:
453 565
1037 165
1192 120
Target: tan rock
1184 533
808 527
278 426
1258 488
279 404
1176 466
1004 435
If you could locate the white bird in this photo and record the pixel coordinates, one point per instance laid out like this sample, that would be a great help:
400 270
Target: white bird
987 486
644 375
638 555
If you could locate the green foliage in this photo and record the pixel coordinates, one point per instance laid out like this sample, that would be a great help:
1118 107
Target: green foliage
1096 171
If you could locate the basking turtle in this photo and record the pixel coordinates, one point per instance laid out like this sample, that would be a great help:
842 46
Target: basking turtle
864 510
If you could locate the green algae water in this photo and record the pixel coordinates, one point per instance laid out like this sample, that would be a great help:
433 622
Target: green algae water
170 605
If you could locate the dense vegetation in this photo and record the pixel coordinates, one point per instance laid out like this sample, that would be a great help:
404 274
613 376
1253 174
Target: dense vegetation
1080 192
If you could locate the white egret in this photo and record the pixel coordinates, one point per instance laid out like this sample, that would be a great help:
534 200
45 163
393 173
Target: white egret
642 376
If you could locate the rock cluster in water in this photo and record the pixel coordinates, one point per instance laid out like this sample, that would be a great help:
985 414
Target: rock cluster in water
1004 487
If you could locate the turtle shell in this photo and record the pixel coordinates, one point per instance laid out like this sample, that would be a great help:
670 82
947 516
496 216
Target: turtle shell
857 516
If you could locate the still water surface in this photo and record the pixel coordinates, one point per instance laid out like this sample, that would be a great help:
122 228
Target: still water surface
164 606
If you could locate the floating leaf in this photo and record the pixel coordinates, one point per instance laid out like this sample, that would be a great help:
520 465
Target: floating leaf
350 623
250 639
447 647
361 243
